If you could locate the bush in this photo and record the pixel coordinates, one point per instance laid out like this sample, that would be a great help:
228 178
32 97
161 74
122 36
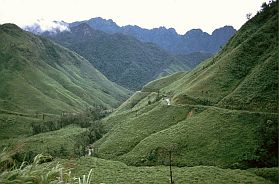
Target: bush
84 120
267 173
267 153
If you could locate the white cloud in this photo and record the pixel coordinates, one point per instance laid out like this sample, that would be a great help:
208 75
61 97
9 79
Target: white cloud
180 14
42 25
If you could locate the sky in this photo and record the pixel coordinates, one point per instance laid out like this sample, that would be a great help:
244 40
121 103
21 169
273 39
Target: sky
182 15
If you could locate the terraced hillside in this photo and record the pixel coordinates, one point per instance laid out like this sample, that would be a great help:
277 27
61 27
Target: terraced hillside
223 113
40 76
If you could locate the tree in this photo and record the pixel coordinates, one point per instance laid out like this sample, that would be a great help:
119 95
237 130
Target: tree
248 16
96 131
62 151
264 6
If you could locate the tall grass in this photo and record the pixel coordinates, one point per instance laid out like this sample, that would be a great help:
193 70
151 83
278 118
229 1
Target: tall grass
37 172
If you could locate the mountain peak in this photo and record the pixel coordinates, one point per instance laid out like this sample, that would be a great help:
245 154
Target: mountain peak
102 20
194 40
194 31
163 29
9 26
83 26
83 29
106 25
11 29
227 29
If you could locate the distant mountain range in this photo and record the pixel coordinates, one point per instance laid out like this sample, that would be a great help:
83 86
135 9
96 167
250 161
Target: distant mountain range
194 40
132 56
122 58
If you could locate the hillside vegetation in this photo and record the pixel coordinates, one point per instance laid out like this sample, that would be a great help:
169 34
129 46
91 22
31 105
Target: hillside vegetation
39 76
124 59
217 123
95 170
223 113
105 171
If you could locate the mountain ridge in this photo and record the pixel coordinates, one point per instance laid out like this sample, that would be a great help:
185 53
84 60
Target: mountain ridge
167 38
47 73
122 58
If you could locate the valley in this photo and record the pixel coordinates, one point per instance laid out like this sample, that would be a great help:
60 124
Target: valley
92 105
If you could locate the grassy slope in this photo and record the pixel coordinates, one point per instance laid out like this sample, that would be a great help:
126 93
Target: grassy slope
14 126
54 140
213 137
218 110
243 75
57 143
38 75
116 172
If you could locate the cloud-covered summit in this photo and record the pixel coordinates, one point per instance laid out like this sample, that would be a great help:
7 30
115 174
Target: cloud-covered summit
42 25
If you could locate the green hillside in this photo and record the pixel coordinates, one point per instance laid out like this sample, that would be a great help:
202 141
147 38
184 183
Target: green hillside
95 170
243 75
223 113
124 59
39 76
217 123
110 172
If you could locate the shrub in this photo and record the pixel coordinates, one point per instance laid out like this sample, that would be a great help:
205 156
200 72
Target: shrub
84 120
36 172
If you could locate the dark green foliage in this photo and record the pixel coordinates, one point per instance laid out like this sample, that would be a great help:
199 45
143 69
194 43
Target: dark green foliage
83 120
79 150
267 153
89 119
267 173
62 151
124 59
21 157
96 131
71 142
29 156
193 59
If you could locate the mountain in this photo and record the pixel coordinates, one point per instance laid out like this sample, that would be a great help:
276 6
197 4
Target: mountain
217 123
223 113
193 59
99 23
40 76
194 40
121 58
